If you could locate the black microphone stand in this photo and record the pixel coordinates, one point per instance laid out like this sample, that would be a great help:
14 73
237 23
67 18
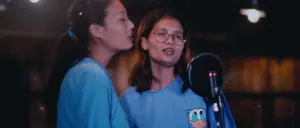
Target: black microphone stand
216 99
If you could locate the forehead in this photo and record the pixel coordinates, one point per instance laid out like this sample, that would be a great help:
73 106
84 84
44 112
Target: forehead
116 7
169 24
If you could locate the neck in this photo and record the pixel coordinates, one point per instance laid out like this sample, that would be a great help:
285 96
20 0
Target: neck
163 74
101 54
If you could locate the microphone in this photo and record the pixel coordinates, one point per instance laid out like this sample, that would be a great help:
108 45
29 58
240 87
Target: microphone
206 76
206 79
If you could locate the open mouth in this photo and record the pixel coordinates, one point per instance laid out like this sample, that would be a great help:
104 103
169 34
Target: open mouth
130 37
168 50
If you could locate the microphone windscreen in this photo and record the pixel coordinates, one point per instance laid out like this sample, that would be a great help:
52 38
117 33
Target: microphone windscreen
198 74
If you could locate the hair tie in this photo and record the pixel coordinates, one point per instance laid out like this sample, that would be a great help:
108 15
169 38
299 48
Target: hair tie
71 34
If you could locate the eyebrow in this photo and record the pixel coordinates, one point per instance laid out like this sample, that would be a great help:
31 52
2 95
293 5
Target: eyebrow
178 32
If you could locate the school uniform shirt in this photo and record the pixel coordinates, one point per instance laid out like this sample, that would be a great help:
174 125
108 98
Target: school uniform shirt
87 99
169 108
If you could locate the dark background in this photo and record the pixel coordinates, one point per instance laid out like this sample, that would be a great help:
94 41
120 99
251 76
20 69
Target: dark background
261 59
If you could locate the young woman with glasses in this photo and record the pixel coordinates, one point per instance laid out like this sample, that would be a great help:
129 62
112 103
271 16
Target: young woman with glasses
159 98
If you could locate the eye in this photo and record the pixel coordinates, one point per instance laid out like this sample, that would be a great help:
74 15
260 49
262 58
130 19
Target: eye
202 115
123 19
178 36
195 113
162 33
193 116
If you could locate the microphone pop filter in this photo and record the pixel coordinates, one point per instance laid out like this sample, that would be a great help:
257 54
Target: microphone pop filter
198 72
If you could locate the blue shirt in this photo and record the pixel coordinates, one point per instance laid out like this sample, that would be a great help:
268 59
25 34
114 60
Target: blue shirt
87 99
168 108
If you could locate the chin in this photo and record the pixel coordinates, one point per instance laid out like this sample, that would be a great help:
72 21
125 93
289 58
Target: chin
167 63
127 47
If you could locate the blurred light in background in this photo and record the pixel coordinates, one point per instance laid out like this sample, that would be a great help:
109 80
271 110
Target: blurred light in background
34 1
253 15
3 5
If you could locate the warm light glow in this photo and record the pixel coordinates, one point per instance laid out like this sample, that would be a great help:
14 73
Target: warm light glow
253 15
34 1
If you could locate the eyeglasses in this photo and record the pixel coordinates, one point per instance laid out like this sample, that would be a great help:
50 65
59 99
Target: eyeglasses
162 37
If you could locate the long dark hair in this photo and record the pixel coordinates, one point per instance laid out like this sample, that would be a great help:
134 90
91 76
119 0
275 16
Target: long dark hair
73 47
141 76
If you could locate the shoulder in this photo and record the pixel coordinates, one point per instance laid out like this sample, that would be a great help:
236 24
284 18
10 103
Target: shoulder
189 94
130 101
129 93
87 70
88 66
87 73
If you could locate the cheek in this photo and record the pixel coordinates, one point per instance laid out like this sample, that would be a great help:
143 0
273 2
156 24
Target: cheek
115 29
120 28
179 51
115 34
154 50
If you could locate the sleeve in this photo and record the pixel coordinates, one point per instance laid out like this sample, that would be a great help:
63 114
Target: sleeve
93 99
126 107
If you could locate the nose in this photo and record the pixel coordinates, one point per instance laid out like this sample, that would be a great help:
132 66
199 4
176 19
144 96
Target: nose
170 40
130 24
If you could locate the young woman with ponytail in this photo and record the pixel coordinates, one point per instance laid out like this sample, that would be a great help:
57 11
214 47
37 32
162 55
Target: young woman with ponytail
86 97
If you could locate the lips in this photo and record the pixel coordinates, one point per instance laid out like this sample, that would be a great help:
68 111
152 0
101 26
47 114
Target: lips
168 50
130 37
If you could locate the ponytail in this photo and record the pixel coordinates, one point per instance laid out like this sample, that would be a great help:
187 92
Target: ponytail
73 47
67 54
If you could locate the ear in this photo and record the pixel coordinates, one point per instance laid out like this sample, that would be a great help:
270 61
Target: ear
145 43
96 30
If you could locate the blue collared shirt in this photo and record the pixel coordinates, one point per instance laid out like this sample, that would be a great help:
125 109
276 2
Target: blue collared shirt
87 99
